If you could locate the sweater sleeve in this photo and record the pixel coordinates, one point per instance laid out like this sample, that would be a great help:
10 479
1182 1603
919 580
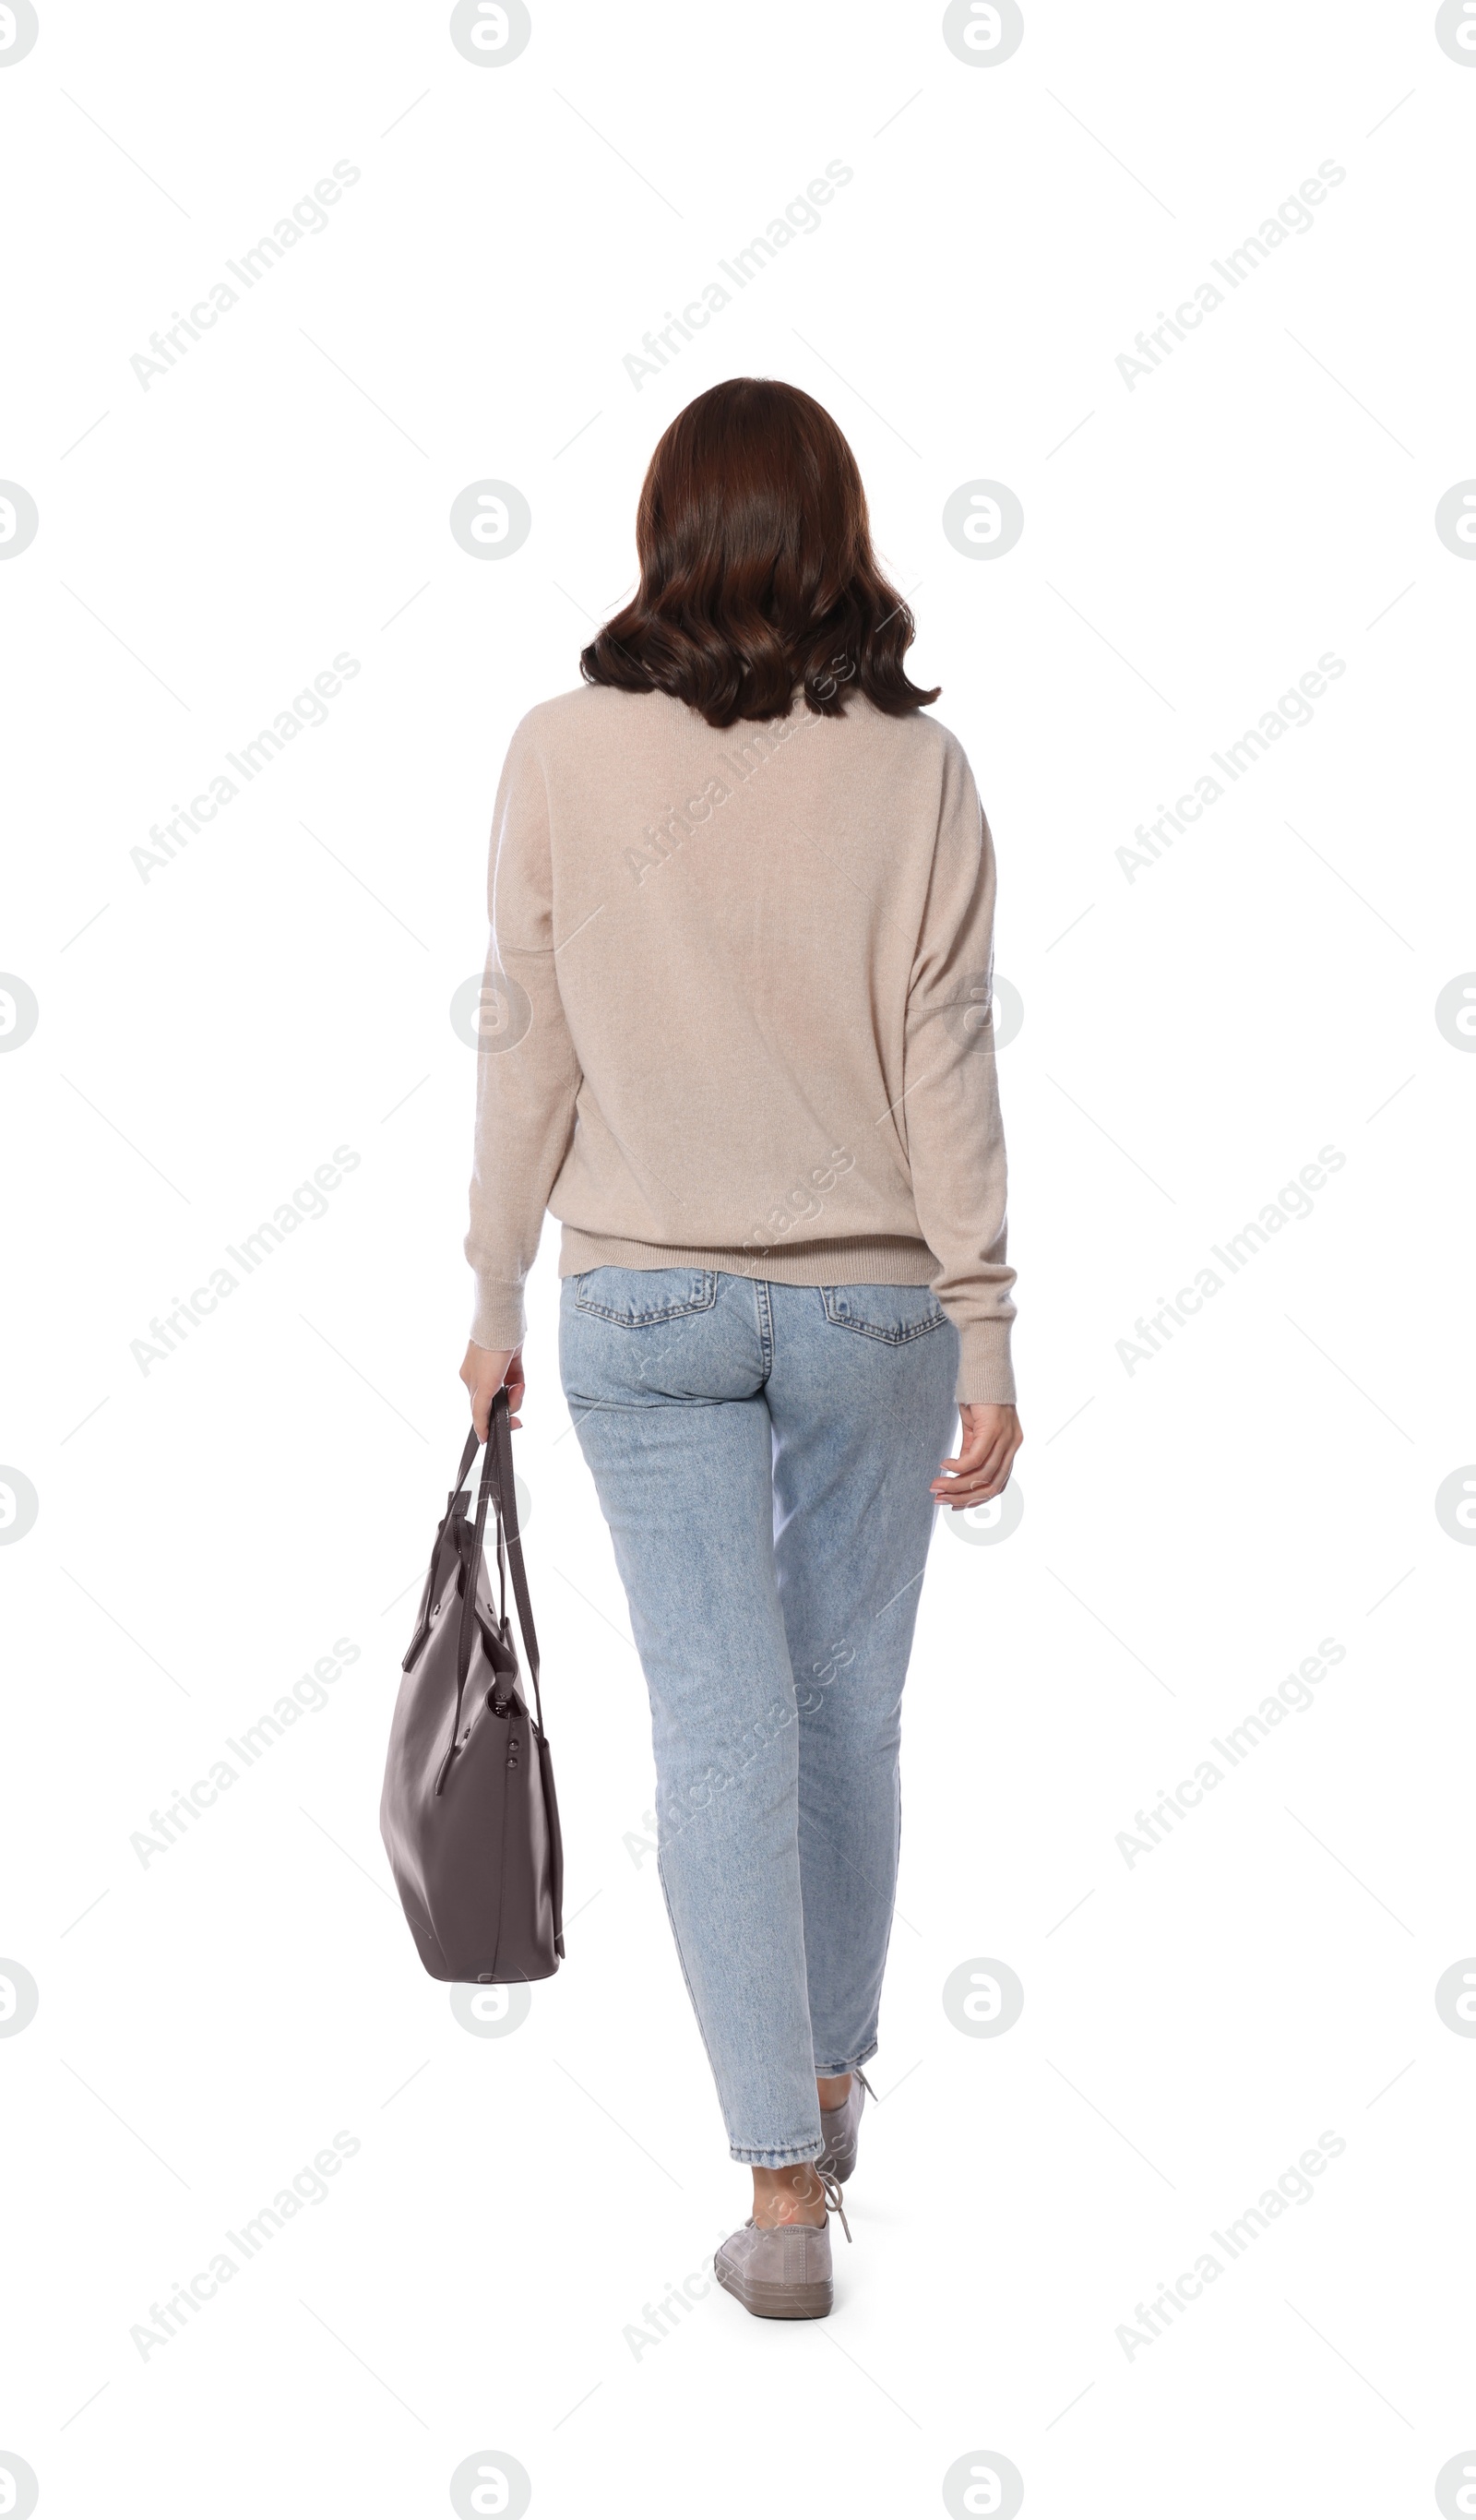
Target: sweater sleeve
950 1103
527 1073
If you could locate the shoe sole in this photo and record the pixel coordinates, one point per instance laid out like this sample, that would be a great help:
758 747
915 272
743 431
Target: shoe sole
777 2301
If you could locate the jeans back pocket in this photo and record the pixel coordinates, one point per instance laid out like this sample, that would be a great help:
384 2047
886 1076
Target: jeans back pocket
895 1313
636 1299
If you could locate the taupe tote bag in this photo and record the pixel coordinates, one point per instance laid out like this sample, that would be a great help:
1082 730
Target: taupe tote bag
469 1813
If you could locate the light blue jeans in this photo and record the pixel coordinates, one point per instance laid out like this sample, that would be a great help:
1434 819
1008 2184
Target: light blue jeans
762 1456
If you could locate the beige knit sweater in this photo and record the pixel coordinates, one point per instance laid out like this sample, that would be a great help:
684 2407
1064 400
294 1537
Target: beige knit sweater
737 1012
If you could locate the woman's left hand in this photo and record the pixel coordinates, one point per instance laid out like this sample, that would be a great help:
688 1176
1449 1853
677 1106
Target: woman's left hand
484 1370
991 1436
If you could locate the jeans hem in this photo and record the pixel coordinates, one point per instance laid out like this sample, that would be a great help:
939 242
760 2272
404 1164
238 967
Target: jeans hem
851 2063
777 2157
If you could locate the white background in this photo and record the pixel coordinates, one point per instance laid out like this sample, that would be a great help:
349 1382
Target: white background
210 2019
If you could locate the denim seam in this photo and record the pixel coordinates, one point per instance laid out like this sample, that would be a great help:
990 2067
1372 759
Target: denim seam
671 1919
887 1946
764 1308
640 1321
655 1400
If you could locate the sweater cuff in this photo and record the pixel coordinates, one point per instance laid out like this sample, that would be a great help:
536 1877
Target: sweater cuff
498 1319
984 1368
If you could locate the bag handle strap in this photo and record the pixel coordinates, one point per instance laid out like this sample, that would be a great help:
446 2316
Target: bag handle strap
505 1489
515 1543
499 1485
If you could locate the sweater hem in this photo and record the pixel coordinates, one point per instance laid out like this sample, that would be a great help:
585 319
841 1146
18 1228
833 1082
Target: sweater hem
852 1260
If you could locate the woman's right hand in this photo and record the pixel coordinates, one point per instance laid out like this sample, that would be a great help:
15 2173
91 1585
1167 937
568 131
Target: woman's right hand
991 1437
484 1370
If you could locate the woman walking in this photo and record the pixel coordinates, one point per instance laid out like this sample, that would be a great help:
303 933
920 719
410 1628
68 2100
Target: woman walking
742 896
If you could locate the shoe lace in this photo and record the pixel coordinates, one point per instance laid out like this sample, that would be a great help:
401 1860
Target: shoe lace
834 2203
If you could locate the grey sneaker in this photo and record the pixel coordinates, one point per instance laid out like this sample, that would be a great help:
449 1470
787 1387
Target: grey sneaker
838 2126
785 2273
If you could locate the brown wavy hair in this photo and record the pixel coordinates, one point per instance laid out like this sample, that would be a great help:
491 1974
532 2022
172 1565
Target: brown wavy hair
757 573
